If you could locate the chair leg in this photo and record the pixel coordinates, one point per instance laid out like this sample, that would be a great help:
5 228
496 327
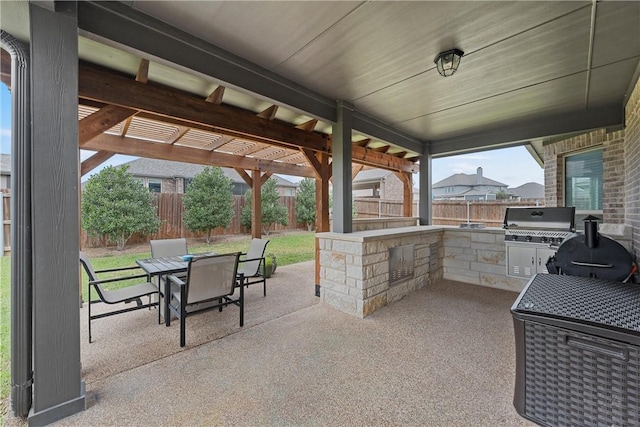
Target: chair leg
264 285
241 306
89 309
183 338
183 316
89 321
220 303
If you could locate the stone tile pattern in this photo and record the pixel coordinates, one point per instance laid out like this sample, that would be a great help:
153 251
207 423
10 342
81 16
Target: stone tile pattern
354 274
382 223
478 257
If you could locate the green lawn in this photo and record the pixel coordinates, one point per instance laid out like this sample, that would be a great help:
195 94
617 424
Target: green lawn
288 249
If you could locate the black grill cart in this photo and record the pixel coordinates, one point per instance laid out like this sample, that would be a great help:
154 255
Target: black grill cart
577 352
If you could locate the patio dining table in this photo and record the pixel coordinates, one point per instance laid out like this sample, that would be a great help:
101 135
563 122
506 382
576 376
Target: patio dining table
162 267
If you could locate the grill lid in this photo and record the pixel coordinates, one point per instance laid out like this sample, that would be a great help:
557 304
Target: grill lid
557 218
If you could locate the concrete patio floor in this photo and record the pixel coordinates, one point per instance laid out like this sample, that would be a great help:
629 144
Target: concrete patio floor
443 356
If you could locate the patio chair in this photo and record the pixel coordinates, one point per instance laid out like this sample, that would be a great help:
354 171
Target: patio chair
127 294
164 248
250 265
168 247
210 284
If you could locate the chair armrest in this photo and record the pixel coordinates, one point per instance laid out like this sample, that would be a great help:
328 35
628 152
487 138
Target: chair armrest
115 279
176 280
110 270
252 259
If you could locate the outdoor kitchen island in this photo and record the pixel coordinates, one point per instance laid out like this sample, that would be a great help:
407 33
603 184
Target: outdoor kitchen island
363 271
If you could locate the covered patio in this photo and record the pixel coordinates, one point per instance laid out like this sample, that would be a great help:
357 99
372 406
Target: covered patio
302 88
445 356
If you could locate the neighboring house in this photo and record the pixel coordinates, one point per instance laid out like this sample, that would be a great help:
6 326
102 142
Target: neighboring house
5 172
467 187
530 191
379 183
164 176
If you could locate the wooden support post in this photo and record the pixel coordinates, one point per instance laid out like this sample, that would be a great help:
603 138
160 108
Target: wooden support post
256 205
322 208
407 200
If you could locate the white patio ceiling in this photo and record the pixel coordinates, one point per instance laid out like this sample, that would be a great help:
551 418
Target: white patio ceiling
531 70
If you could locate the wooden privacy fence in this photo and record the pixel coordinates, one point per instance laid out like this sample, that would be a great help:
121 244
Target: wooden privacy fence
487 213
380 208
170 212
444 212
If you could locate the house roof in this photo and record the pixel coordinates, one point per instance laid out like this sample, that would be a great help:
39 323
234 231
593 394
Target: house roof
154 168
5 164
530 190
465 179
367 175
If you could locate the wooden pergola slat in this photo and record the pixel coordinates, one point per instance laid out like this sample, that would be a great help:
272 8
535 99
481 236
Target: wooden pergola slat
103 86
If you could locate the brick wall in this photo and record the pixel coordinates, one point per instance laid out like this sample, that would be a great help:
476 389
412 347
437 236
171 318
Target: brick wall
170 185
632 167
613 157
391 188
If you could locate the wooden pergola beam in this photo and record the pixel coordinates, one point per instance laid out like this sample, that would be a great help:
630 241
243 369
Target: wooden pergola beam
101 121
308 126
215 97
269 113
363 142
369 157
5 68
143 71
141 148
99 85
94 161
245 176
355 170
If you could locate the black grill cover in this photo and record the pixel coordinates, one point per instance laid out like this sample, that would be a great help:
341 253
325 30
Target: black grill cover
609 260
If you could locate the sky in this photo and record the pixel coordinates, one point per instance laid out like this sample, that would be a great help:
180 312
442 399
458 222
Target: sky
512 166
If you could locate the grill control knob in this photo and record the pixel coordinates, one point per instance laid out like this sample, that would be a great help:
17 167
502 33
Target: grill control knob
514 237
552 239
543 239
560 239
528 238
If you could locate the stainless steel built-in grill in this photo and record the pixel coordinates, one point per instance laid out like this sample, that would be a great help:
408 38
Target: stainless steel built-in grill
532 236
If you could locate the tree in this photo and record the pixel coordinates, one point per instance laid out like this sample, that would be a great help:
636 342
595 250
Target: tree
208 202
306 202
502 195
115 205
273 212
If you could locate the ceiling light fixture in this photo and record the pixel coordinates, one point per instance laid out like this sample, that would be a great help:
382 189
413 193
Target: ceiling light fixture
448 61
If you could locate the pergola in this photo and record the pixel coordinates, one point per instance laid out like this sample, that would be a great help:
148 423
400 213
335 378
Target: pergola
125 115
274 87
